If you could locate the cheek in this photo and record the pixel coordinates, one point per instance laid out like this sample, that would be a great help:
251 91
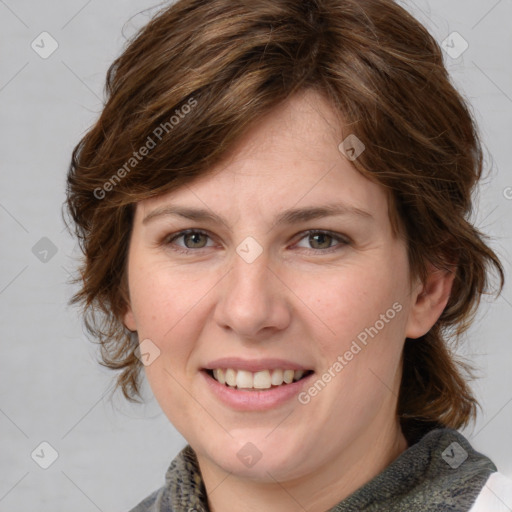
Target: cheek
170 307
163 298
345 302
167 305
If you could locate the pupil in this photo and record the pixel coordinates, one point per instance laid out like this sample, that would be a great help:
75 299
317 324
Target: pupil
321 238
195 239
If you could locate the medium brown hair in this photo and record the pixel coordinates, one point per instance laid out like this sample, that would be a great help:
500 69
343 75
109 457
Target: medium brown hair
202 71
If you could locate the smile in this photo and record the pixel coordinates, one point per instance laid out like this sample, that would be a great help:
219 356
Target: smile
260 380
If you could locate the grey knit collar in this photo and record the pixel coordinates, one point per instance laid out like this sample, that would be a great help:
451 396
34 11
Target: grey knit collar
439 473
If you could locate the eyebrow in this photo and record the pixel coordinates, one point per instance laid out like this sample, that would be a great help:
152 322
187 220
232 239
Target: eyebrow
290 216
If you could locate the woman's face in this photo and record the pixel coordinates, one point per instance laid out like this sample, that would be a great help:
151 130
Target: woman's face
288 266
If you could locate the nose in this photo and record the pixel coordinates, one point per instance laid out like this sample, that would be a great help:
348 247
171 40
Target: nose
252 301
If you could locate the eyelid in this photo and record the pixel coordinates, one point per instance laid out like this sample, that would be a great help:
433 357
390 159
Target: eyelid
167 240
341 239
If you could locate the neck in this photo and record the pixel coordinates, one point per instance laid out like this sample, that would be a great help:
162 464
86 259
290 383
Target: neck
319 491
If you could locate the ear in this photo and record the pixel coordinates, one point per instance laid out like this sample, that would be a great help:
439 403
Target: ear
429 300
128 316
129 319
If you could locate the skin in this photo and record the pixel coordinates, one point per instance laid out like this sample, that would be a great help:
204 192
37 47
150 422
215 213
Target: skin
304 299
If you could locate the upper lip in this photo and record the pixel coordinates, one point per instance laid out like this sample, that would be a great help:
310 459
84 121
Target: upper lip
254 365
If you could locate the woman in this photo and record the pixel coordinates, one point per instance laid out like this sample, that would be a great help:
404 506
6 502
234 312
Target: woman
272 207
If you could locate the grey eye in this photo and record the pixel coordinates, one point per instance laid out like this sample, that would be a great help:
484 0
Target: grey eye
194 240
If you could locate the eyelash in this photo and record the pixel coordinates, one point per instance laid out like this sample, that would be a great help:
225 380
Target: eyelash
168 240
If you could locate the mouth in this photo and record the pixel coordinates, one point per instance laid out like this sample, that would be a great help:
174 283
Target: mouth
262 380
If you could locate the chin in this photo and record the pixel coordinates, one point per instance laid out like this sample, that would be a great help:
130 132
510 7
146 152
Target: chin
261 461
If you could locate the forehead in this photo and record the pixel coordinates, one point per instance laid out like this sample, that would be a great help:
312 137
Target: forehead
291 157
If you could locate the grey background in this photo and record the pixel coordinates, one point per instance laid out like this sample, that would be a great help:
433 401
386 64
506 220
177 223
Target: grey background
112 454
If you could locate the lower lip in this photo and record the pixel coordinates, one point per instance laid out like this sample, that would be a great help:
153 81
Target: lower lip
255 400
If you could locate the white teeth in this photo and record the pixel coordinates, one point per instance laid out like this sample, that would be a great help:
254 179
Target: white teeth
261 380
230 377
288 376
264 379
297 375
220 375
277 377
244 379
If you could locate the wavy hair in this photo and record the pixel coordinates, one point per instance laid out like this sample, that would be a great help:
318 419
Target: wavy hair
197 76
